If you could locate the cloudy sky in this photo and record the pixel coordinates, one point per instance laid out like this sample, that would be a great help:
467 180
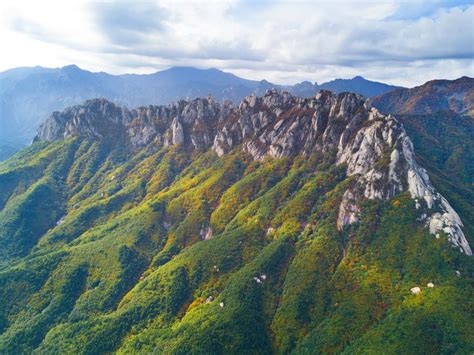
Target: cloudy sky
399 42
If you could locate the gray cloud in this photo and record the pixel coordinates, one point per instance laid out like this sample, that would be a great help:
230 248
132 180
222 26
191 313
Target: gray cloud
279 40
127 23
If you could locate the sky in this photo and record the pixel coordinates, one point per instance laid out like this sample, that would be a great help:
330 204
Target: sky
399 42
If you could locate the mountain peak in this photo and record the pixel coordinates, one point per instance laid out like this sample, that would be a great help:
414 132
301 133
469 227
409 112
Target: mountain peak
358 84
71 68
188 69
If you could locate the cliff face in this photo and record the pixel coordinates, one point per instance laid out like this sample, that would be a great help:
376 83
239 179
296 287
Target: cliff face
179 123
375 148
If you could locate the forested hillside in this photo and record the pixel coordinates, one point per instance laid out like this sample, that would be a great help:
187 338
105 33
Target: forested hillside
249 229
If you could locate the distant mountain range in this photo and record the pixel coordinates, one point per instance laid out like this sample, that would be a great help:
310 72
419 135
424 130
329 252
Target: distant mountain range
357 84
29 95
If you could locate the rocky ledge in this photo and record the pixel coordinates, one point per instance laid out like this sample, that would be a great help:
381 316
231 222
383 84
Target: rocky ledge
375 148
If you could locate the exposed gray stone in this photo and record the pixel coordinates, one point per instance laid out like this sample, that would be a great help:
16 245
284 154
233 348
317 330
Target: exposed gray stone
178 133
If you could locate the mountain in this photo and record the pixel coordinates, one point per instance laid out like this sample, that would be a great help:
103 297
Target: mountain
438 117
281 224
434 96
359 85
29 95
8 149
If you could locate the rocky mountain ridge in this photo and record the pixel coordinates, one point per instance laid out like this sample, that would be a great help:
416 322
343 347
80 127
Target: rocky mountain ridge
30 94
374 147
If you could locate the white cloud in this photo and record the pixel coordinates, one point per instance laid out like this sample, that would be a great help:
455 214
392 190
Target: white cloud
281 41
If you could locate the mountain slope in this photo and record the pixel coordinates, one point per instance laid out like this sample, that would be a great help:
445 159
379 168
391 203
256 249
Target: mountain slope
437 116
279 225
29 95
436 95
